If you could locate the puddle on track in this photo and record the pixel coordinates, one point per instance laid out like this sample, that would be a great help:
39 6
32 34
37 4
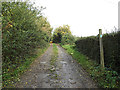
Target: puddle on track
42 62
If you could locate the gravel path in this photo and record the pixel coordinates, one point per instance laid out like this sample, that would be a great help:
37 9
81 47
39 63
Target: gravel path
67 73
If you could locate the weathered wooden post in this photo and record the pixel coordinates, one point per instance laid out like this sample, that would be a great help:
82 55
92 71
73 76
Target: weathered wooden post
101 49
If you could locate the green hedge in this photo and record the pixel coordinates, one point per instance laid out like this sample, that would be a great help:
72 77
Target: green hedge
111 44
22 33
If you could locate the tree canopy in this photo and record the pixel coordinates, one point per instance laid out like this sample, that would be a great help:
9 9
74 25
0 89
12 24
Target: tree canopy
59 32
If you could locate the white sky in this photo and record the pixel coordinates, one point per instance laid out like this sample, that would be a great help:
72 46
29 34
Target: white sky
84 17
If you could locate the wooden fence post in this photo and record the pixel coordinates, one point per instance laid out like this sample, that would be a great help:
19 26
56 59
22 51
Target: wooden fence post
101 49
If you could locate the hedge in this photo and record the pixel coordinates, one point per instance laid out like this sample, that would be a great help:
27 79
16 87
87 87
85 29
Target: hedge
22 33
111 45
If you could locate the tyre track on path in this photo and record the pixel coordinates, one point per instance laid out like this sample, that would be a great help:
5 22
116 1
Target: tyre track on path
67 74
72 75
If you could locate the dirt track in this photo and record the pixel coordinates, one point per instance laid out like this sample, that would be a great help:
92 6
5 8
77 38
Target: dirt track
66 73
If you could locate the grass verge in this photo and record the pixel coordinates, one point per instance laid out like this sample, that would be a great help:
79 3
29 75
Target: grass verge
11 77
104 78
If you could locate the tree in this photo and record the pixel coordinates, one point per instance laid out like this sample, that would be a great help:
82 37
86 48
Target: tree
67 39
59 32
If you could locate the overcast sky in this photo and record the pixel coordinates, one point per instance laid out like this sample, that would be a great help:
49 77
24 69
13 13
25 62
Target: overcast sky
84 17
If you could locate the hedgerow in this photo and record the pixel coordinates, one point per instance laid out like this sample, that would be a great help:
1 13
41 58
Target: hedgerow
111 44
24 29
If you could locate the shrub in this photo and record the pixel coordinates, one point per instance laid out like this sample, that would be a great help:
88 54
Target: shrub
67 39
24 29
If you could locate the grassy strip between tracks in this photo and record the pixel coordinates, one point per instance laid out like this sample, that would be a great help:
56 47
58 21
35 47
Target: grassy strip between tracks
53 62
54 58
11 77
104 78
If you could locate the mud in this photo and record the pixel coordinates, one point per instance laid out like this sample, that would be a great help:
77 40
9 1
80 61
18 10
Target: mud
65 73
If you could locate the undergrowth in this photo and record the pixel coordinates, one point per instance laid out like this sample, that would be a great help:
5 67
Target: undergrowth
105 78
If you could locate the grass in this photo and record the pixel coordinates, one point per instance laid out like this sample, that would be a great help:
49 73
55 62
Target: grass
9 77
104 78
55 49
55 54
53 62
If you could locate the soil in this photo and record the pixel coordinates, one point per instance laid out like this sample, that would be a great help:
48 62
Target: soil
64 73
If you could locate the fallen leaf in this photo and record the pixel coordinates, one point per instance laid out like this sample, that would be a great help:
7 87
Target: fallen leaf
26 82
